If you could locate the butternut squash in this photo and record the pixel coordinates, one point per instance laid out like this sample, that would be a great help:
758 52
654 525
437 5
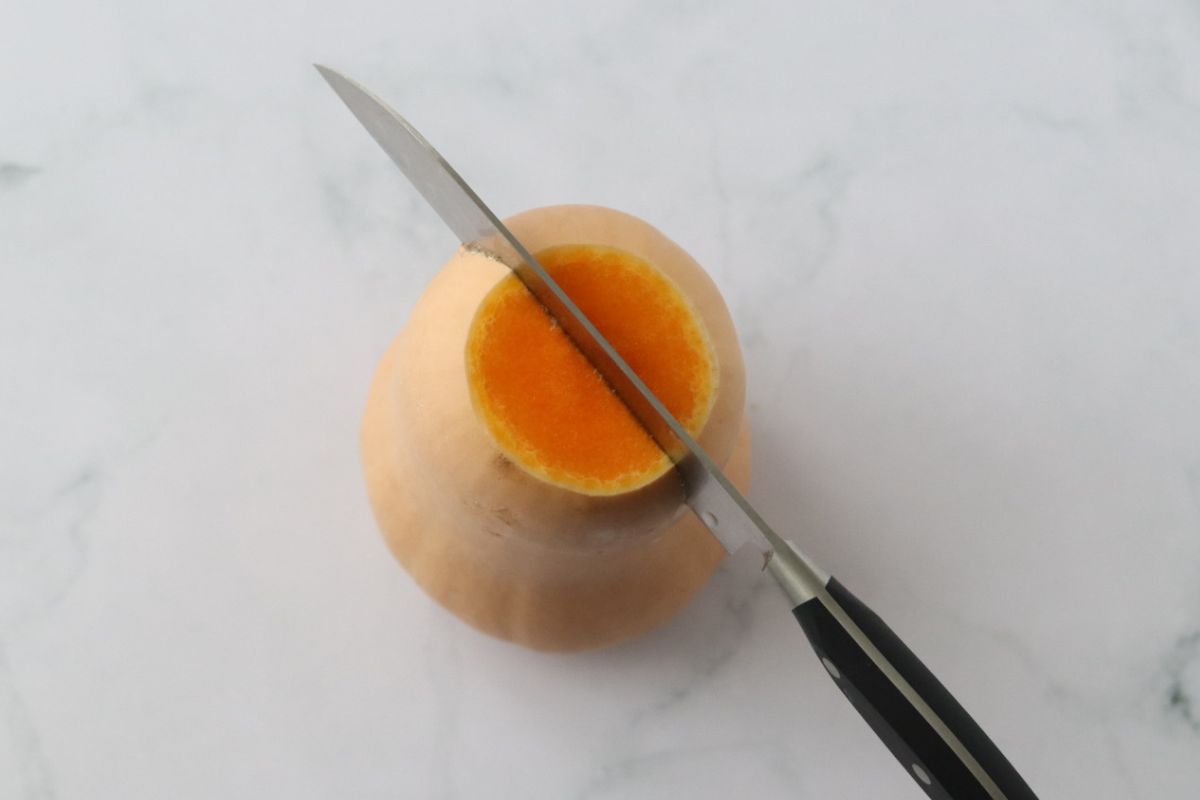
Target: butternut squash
507 478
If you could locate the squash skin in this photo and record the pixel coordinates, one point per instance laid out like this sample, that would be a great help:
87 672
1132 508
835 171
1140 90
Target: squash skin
516 557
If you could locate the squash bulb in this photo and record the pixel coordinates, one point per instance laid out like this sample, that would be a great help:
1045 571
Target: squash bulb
503 473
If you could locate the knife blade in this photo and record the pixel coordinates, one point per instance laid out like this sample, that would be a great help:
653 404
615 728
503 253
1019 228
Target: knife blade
929 732
707 490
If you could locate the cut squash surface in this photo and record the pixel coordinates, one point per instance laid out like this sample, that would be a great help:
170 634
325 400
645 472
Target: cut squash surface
544 404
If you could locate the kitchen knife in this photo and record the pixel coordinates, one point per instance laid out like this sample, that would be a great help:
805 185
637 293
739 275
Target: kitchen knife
928 731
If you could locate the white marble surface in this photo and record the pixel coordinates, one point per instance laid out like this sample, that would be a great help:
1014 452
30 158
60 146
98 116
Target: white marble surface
962 244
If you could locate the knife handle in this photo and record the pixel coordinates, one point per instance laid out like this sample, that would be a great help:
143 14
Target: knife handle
932 736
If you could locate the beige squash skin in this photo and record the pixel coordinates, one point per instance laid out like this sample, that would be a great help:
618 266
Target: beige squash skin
515 556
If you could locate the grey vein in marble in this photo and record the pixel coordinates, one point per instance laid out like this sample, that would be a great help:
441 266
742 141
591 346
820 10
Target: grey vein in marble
50 545
31 775
719 651
1183 681
13 175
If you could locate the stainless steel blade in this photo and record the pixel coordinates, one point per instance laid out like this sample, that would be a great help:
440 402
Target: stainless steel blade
716 501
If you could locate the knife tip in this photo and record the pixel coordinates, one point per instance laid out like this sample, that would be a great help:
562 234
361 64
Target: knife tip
326 73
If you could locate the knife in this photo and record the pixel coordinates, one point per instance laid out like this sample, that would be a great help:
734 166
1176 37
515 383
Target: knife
936 741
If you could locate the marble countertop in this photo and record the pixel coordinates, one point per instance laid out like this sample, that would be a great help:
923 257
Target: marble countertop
960 242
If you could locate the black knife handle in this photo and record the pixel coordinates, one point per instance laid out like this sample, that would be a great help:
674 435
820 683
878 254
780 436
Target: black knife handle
948 755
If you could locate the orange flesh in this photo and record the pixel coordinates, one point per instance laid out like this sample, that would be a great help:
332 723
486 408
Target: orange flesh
545 405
